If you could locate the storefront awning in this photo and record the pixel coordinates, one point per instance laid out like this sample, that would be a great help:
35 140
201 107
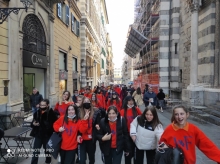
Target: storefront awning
135 42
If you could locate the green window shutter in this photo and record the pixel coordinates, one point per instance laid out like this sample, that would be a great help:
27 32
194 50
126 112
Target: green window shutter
103 66
103 51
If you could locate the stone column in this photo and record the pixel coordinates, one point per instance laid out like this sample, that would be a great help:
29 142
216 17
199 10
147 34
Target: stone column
217 26
194 45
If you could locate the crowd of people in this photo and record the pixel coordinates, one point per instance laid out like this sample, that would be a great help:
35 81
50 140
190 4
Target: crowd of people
112 117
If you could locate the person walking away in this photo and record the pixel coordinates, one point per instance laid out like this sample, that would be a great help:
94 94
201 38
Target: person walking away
60 107
113 137
42 129
186 136
130 112
138 97
115 100
69 125
75 96
146 88
35 100
146 131
161 97
150 98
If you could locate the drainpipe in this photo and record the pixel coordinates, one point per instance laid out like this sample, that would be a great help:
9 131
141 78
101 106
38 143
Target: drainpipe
169 45
217 41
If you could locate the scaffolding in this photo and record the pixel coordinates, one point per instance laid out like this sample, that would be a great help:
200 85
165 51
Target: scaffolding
147 22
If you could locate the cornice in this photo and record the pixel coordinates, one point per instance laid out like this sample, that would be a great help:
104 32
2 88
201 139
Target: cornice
75 8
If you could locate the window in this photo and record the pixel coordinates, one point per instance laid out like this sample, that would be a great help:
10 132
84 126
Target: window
62 61
63 12
176 44
103 64
74 64
75 25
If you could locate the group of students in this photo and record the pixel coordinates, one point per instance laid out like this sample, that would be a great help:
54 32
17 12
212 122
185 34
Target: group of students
119 127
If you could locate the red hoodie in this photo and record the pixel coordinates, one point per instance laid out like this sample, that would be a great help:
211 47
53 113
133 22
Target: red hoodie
187 139
118 105
87 134
69 135
130 116
62 108
97 105
101 99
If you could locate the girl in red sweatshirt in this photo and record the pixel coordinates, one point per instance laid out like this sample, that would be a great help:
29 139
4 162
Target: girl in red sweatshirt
95 102
60 107
69 125
115 100
130 112
88 146
187 136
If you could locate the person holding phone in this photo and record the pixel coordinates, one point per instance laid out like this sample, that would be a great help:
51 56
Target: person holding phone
113 136
186 136
42 129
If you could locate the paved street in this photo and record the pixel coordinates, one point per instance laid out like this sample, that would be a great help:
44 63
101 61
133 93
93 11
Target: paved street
212 131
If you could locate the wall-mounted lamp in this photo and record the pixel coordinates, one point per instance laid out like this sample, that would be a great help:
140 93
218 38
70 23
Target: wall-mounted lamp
70 48
6 87
88 67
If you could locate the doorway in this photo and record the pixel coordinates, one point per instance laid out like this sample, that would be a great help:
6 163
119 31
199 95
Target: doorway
29 84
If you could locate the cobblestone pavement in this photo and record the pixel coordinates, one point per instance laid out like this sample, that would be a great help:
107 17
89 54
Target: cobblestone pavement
212 131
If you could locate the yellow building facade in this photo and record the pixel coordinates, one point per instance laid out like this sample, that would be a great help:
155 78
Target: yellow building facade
67 46
3 58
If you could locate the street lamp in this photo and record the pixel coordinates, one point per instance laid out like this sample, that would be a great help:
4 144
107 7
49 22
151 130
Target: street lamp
5 12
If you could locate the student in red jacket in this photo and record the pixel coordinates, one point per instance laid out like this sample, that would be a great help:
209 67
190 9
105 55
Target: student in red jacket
130 112
69 125
60 107
87 93
101 98
187 136
88 146
95 102
115 100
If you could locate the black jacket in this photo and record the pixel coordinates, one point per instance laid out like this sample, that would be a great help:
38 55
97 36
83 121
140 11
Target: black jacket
122 140
35 99
160 96
46 120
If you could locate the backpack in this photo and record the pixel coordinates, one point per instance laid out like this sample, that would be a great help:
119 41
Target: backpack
170 156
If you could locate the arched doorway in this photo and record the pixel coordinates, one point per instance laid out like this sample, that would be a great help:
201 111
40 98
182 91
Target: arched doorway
34 57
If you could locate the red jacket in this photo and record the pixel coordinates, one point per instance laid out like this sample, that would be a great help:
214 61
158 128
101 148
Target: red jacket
101 99
61 109
118 105
97 105
69 135
88 95
187 139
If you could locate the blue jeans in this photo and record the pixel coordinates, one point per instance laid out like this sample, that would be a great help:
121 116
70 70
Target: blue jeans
34 109
114 157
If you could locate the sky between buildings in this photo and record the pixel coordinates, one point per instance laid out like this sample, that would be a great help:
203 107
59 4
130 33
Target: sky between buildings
121 15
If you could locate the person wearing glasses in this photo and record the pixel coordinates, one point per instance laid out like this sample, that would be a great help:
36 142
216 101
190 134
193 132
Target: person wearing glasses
186 136
146 131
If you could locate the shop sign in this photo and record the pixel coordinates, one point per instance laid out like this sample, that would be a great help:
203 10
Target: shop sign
63 75
34 60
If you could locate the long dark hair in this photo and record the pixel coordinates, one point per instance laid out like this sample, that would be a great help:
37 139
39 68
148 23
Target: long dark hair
69 94
96 101
125 107
138 91
117 99
76 113
112 107
142 118
173 110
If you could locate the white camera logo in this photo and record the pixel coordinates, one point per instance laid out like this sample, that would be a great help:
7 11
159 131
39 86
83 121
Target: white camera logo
10 153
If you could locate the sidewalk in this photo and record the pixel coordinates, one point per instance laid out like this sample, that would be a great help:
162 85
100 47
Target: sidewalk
212 131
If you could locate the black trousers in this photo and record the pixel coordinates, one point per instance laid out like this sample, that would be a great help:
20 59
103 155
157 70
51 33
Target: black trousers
139 156
68 156
89 147
38 142
114 157
131 154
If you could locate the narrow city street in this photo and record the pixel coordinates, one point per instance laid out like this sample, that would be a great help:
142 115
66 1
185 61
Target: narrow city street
212 131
